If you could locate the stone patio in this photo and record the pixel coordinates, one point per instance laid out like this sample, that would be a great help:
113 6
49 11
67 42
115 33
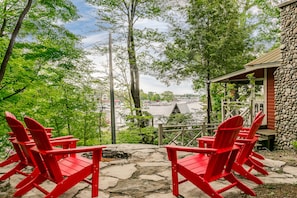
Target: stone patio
145 174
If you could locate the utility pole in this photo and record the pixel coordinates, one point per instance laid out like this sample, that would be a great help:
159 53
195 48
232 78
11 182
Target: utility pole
112 110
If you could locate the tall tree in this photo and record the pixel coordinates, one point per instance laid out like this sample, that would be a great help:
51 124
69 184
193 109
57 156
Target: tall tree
120 17
212 43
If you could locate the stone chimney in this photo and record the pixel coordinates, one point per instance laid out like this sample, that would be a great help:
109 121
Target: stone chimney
286 78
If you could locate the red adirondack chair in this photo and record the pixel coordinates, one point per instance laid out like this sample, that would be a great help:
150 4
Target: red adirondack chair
246 142
14 157
245 131
246 154
65 172
209 164
22 144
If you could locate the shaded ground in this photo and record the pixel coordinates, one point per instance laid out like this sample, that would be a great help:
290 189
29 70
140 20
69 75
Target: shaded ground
275 190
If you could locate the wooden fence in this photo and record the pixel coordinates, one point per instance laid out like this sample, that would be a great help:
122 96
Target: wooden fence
184 135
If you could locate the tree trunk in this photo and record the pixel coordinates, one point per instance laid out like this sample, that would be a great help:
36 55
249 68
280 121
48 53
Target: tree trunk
208 99
134 73
12 39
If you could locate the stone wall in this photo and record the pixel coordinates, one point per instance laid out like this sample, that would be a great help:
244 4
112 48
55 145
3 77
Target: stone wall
286 79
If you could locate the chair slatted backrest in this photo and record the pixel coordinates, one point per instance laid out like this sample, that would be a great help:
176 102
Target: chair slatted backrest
224 141
20 134
42 141
255 126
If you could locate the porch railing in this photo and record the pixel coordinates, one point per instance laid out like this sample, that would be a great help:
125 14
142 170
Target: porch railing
246 109
183 135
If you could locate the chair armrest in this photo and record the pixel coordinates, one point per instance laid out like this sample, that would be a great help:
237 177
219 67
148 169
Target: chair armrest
245 129
172 151
191 149
11 134
73 150
243 141
205 141
247 140
49 129
27 143
206 138
62 137
63 142
242 134
239 144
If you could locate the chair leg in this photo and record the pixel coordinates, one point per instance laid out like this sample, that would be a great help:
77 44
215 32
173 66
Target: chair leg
257 155
26 188
30 177
232 179
11 159
243 172
13 171
254 161
95 182
206 187
256 167
175 182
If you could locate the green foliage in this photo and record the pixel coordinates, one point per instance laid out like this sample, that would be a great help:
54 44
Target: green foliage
145 118
212 39
48 77
167 96
264 23
151 96
217 94
178 118
148 135
213 43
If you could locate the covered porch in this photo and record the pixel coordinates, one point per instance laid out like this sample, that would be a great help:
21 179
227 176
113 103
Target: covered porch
263 69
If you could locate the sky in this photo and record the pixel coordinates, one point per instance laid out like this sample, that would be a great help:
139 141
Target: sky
86 27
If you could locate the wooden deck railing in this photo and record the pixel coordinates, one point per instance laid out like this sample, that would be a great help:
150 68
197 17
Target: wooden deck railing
183 135
231 108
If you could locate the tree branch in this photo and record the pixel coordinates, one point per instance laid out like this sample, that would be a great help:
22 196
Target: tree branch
15 93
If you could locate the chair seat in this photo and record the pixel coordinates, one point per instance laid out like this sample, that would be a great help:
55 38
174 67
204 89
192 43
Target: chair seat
72 165
196 164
